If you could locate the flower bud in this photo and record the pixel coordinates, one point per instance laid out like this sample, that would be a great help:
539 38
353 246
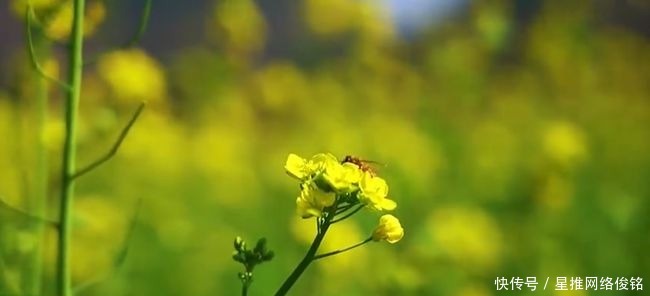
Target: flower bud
239 244
389 229
260 247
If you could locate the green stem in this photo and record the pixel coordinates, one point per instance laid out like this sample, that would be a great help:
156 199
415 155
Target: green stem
32 51
343 250
142 27
69 150
135 39
244 287
28 215
309 257
114 148
37 205
348 214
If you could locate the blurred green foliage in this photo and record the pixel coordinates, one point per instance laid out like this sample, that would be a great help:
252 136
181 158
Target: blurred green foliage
513 148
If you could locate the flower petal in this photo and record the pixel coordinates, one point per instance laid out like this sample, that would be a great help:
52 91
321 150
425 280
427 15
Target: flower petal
296 166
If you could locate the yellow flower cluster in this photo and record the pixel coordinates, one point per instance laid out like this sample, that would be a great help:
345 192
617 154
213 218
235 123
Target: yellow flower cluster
327 182
324 178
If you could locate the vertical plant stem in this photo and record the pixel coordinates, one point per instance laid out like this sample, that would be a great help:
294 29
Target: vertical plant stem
244 288
37 202
309 257
69 150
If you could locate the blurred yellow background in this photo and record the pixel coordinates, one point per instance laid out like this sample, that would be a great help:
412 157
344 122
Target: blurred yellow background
515 137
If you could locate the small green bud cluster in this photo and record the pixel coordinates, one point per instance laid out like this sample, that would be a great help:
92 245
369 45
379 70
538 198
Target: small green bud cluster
250 258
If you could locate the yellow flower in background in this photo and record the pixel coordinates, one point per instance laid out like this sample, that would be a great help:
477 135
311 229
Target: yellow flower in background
19 6
156 144
51 67
60 25
389 229
132 75
373 193
282 86
331 17
100 227
469 236
10 177
564 143
53 134
410 151
312 201
493 154
242 26
375 23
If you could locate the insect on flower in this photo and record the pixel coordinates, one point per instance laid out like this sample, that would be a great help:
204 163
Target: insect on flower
364 165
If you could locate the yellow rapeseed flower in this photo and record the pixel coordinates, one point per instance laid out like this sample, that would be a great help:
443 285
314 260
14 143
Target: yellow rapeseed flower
389 229
326 170
296 167
319 161
324 178
312 201
304 169
373 193
341 177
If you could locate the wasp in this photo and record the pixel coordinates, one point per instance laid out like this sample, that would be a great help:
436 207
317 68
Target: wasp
364 165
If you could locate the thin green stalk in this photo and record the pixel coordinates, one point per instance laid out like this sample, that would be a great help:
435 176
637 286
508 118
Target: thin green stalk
297 272
114 148
244 287
24 214
348 214
321 256
37 204
32 51
135 39
142 27
309 257
69 149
